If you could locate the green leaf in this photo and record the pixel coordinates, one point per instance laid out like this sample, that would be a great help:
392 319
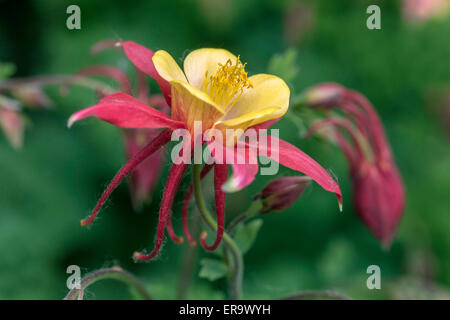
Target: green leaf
284 65
6 70
212 269
245 234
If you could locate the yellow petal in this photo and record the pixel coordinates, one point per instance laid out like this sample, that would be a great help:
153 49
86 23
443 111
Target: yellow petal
166 66
267 100
199 61
249 117
189 104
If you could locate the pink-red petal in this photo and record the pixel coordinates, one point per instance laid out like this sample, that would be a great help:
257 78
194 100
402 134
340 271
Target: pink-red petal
293 158
142 58
243 160
125 111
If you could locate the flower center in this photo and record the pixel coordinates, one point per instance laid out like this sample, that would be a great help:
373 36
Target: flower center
227 85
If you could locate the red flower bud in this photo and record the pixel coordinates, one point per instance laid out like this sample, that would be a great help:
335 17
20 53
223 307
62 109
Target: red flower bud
378 197
281 193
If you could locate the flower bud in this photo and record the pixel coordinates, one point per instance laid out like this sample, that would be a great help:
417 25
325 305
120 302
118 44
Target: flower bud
379 198
281 193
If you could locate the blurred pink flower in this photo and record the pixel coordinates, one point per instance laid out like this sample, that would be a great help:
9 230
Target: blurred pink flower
12 125
15 94
421 10
377 185
298 20
32 96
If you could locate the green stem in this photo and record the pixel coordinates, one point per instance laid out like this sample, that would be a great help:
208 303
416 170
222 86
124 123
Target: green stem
316 294
188 263
254 208
238 265
116 273
64 80
252 211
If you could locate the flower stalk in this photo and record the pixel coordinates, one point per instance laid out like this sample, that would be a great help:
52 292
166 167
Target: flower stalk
252 211
116 273
317 294
63 80
237 269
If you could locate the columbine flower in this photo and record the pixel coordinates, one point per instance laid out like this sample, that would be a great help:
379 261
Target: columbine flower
281 193
214 89
377 185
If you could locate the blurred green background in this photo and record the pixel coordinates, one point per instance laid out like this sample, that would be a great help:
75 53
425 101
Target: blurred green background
54 181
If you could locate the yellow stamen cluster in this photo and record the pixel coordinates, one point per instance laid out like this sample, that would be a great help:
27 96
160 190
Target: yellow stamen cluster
227 85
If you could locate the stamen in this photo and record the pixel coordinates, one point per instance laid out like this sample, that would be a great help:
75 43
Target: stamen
228 84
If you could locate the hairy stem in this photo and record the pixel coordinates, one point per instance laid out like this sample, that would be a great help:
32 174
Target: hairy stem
116 273
189 259
316 294
238 265
64 80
